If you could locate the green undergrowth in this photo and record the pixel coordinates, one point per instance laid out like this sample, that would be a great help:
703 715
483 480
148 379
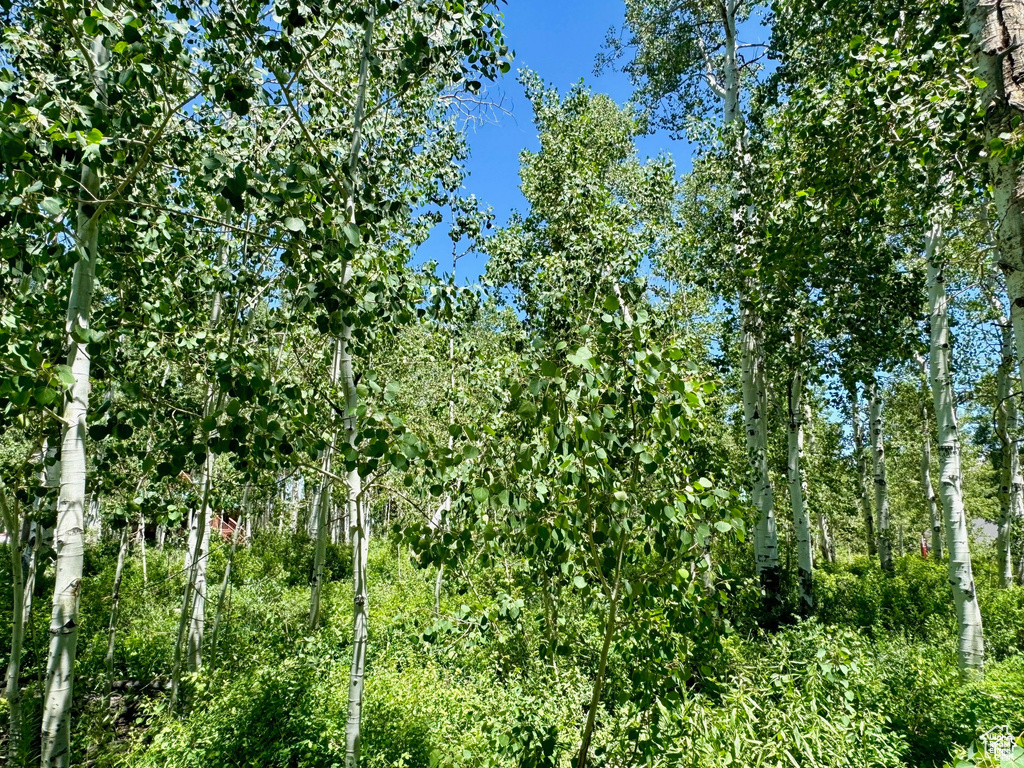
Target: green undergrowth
871 682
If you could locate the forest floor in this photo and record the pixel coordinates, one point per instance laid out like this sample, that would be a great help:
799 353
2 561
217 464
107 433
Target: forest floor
871 681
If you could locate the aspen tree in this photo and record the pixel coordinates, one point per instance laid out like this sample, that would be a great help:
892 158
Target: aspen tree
1011 485
971 647
68 536
798 487
880 480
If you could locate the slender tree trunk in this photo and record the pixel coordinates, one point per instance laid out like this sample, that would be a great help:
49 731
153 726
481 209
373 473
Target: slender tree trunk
801 520
828 544
358 530
115 604
50 477
1006 430
961 577
861 451
226 581
197 622
926 469
193 606
192 554
12 692
766 538
881 483
322 505
68 536
142 547
595 697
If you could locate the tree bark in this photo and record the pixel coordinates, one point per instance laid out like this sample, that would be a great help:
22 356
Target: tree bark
358 531
971 643
801 520
931 499
1010 480
595 697
881 483
226 581
766 538
997 32
197 621
12 692
861 456
115 604
68 536
322 505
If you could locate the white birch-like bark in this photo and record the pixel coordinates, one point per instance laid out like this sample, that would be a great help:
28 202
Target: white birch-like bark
766 538
828 545
934 517
358 532
996 28
797 487
752 380
322 506
93 522
50 478
1006 431
142 547
971 647
881 482
115 605
861 451
197 621
197 523
193 605
12 692
68 537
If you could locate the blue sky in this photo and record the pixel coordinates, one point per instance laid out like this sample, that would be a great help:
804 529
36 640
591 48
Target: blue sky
559 39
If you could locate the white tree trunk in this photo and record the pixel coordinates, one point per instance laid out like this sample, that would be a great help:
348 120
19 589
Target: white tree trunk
115 604
197 623
358 531
881 483
93 521
935 519
801 520
961 576
10 517
997 33
198 522
322 507
1006 430
68 538
861 449
766 538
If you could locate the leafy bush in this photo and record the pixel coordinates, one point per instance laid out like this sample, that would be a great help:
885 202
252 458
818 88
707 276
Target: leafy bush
915 599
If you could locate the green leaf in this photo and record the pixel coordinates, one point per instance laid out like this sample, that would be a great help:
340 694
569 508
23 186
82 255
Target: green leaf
481 494
64 375
352 234
295 224
579 582
53 205
580 356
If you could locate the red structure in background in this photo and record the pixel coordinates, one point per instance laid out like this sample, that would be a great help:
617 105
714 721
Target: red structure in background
225 527
924 547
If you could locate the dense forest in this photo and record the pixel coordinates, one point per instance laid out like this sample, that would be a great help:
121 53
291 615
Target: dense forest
718 464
